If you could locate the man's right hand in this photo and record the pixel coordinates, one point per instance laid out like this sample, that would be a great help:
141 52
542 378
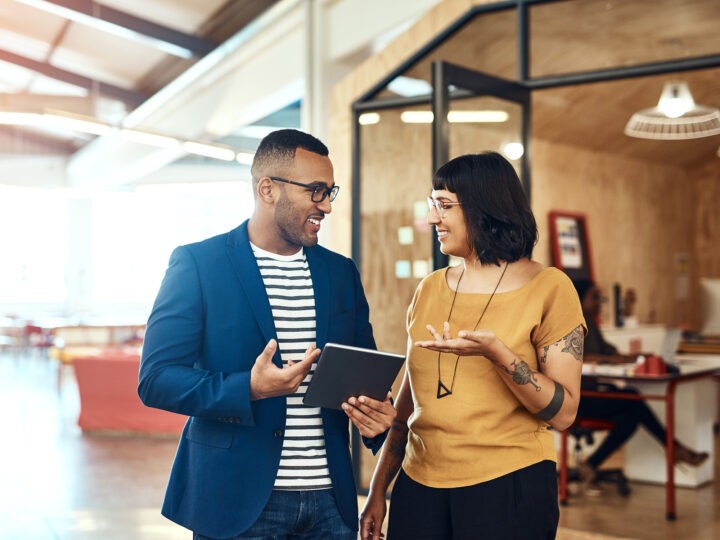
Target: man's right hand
268 380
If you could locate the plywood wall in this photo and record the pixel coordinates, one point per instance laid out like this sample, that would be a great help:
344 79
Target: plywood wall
640 219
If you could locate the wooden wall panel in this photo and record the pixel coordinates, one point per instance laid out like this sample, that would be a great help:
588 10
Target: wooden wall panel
707 221
640 216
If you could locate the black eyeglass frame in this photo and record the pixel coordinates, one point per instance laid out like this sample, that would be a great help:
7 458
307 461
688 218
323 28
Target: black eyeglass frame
331 192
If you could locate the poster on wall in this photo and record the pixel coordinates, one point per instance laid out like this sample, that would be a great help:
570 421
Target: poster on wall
569 244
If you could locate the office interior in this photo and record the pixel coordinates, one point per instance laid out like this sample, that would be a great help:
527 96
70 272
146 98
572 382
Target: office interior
560 81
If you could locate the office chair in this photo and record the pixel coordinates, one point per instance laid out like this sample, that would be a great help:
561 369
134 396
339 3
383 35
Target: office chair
582 431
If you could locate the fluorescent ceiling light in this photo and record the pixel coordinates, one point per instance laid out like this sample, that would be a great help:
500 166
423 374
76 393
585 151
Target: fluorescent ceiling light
106 26
416 117
75 122
86 124
216 151
366 119
12 118
151 139
455 117
477 116
244 158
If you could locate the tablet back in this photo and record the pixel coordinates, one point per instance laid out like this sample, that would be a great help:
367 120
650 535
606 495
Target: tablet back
343 371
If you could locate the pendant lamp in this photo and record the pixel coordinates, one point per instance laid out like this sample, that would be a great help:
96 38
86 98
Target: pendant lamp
676 117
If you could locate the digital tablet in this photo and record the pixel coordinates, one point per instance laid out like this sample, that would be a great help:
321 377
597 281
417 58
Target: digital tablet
343 372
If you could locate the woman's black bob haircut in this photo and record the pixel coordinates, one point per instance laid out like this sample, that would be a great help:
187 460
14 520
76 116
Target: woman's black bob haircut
501 226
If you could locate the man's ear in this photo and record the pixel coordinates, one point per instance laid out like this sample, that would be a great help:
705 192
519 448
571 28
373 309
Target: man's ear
265 190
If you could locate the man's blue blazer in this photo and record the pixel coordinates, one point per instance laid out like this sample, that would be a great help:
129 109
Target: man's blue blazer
210 321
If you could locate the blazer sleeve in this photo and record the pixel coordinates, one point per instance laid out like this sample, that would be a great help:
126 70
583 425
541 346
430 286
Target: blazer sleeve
170 377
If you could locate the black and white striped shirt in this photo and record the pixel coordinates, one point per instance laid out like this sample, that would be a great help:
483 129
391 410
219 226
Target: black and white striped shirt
303 462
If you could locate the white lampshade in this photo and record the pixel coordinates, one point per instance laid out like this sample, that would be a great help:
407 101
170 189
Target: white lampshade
676 117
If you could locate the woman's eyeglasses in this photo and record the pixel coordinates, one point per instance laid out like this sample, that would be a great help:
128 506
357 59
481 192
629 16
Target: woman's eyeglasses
318 191
440 206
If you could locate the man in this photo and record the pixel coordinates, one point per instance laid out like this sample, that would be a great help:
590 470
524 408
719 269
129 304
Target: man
231 343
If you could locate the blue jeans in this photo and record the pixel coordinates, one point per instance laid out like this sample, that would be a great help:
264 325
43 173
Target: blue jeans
298 515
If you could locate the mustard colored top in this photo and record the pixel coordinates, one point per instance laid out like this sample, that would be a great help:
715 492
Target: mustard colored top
481 431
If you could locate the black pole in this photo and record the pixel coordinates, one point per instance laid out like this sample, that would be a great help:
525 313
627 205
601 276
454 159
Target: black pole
440 140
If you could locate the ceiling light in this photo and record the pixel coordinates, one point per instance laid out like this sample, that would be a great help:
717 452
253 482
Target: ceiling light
409 86
216 151
416 117
73 14
513 150
455 117
675 100
75 122
477 116
50 118
244 158
676 117
12 118
366 119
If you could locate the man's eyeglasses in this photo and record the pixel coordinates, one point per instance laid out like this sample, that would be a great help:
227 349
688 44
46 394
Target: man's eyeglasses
318 191
440 206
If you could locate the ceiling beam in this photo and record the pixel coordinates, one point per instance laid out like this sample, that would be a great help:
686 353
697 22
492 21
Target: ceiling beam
126 25
13 140
131 97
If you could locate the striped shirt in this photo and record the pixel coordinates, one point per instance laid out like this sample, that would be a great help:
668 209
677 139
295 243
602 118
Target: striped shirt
303 462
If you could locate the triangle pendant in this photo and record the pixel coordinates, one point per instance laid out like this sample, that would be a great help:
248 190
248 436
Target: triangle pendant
442 390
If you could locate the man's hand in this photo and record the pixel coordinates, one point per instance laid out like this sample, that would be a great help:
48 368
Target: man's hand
268 380
370 416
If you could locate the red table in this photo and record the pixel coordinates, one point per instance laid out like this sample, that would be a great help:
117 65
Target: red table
701 366
108 396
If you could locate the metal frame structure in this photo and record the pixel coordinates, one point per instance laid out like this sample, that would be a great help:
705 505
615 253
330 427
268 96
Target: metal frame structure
444 73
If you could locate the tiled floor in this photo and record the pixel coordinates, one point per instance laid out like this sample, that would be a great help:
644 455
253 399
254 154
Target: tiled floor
58 484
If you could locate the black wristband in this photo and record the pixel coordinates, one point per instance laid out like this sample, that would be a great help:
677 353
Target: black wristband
549 412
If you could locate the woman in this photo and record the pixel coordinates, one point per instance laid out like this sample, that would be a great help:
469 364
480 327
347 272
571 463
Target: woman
494 359
627 415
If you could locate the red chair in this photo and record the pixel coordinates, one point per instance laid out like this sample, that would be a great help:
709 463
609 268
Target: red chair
37 338
583 428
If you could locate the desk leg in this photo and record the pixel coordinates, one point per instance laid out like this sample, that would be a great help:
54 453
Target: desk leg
670 451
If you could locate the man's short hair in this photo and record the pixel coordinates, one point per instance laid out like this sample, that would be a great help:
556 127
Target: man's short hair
277 151
501 225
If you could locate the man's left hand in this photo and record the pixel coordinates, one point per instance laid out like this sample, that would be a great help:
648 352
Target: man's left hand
370 416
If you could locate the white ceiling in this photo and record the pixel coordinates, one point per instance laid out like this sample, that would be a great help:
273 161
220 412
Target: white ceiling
252 62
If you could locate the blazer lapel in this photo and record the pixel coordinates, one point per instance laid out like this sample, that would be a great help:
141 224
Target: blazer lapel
321 288
248 273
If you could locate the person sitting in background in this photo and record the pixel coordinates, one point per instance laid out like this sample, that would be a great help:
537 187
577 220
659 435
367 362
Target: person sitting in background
627 415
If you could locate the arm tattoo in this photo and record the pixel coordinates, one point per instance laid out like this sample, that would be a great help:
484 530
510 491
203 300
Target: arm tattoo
574 342
549 412
396 445
522 373
543 356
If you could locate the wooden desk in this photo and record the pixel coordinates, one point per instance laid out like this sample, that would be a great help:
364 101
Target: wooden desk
692 368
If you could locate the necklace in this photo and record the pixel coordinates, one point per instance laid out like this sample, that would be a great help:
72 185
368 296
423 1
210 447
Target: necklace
442 390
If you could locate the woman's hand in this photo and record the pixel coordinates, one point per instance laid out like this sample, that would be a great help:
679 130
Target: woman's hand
372 517
467 343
